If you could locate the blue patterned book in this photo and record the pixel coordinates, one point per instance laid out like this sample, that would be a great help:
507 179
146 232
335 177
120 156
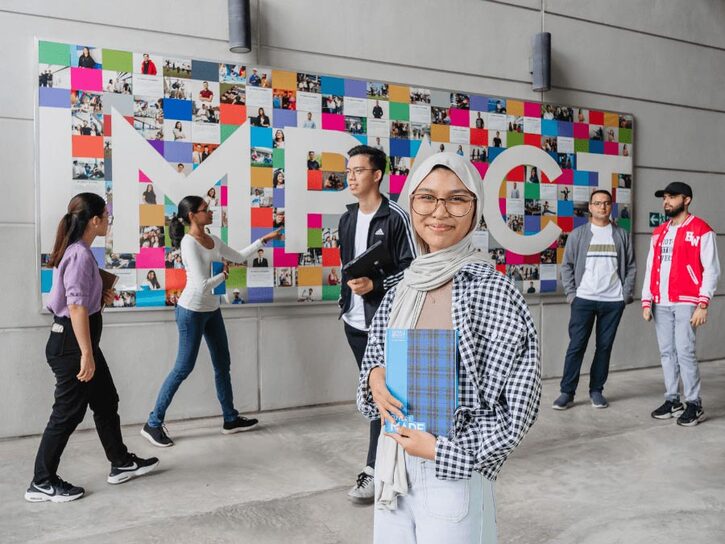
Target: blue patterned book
421 371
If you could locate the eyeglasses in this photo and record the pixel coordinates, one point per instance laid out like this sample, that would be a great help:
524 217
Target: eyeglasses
602 203
457 205
205 210
357 171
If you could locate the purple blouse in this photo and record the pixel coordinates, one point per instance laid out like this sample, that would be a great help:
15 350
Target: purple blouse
76 280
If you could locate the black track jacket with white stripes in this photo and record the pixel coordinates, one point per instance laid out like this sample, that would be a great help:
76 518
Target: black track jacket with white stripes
390 225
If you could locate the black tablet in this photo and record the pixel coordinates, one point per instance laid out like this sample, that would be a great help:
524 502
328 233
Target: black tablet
369 264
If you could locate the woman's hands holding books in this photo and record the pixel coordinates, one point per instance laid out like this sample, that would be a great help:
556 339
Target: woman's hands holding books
415 442
388 405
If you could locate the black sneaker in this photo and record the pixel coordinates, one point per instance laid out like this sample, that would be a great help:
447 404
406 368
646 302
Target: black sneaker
134 467
158 436
239 425
667 410
54 491
563 401
693 415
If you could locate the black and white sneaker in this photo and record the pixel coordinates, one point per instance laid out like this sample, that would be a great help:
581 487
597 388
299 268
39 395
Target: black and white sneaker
53 491
693 415
158 436
134 467
239 425
668 409
363 492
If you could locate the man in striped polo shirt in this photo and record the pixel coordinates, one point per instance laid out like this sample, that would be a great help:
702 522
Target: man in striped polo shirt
597 273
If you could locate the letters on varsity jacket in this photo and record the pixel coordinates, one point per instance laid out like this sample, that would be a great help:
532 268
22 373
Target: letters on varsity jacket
694 269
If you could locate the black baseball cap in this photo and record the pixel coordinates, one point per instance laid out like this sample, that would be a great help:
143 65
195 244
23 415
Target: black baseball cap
675 188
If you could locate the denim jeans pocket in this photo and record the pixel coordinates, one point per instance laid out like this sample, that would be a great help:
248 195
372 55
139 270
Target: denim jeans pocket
444 499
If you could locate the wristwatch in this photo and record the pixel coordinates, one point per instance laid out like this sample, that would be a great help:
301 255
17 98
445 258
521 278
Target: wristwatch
702 305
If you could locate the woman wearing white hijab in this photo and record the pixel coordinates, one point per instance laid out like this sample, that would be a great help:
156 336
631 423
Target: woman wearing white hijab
439 488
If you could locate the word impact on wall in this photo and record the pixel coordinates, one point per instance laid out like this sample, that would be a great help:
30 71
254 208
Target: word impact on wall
266 148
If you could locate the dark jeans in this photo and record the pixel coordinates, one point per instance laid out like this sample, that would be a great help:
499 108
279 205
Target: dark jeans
583 314
192 326
358 341
72 397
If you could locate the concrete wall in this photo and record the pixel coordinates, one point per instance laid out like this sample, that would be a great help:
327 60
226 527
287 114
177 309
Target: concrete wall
662 61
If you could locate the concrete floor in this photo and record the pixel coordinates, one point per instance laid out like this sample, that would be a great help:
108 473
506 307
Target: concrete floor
583 476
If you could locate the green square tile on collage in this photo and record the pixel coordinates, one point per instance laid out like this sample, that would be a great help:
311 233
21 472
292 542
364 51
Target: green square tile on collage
119 61
330 292
278 158
514 138
581 145
314 238
237 277
531 190
399 111
625 135
54 53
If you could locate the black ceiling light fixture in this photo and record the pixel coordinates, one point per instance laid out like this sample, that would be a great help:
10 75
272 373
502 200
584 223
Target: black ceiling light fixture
240 27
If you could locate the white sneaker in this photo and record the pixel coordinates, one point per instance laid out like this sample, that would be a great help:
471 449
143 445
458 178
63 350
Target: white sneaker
363 492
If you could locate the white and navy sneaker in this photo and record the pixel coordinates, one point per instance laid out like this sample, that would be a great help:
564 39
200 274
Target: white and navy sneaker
239 425
56 490
134 467
363 492
158 436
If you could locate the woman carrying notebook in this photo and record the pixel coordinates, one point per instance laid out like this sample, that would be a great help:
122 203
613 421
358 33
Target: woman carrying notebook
440 488
198 315
74 355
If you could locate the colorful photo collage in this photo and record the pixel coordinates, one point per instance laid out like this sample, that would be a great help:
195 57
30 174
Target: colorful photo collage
186 108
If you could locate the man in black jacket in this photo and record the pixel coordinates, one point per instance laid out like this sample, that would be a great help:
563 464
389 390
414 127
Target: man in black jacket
373 218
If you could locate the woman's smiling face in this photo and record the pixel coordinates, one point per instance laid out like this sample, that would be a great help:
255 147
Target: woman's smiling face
439 229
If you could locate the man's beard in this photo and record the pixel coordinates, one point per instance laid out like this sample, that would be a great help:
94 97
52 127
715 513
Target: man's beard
675 211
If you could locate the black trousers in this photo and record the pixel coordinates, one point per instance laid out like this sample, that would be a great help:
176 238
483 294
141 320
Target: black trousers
72 397
358 341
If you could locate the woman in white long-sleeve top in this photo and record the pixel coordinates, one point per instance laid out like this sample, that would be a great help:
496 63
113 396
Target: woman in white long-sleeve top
198 314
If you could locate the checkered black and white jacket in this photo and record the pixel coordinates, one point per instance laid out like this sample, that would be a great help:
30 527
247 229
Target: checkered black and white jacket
499 376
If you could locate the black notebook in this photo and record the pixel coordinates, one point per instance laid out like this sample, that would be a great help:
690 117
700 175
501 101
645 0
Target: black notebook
369 264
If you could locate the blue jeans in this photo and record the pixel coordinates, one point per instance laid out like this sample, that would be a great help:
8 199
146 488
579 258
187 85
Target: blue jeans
583 314
192 326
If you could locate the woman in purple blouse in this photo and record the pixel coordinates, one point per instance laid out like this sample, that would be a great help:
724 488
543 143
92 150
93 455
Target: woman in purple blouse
82 376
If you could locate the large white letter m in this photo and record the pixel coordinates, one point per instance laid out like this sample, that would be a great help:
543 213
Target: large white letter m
132 153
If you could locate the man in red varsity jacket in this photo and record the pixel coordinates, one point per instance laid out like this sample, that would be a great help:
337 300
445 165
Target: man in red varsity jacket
681 277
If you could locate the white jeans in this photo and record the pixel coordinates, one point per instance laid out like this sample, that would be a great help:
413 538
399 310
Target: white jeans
438 511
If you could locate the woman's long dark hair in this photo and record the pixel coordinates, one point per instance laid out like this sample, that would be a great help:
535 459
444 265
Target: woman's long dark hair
81 209
189 204
176 230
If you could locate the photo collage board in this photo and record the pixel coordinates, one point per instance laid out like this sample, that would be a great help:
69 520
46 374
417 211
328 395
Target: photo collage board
186 108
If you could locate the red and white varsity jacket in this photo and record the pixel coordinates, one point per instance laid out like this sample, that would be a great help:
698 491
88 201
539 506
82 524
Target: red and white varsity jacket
695 266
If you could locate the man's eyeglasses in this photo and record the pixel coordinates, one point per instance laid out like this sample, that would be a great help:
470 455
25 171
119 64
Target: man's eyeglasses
456 205
601 203
357 171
